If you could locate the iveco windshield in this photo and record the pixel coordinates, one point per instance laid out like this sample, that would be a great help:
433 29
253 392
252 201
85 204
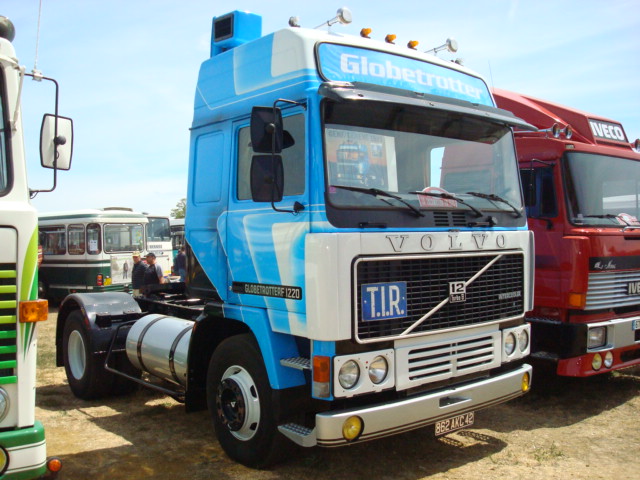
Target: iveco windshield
440 163
602 190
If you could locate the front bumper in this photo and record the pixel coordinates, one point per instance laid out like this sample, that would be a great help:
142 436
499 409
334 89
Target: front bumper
23 452
566 344
391 418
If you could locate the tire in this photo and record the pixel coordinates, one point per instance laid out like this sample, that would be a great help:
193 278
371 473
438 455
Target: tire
241 403
85 371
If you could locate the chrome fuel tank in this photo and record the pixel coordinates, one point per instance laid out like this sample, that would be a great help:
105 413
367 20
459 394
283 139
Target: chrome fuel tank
159 344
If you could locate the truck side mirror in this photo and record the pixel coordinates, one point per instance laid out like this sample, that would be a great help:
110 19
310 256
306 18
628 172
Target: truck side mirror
54 146
266 130
267 178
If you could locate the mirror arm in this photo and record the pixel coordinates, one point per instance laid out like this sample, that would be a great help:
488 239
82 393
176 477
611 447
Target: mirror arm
297 206
57 140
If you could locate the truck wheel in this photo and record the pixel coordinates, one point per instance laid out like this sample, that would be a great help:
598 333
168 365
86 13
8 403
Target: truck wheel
85 372
240 401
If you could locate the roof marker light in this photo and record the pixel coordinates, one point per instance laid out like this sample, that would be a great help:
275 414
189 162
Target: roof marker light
365 32
390 38
413 44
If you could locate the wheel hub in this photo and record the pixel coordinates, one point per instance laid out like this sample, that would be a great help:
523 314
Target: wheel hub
230 404
237 403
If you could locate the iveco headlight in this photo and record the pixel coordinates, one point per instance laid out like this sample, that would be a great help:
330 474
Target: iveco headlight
349 374
597 337
4 403
510 344
378 370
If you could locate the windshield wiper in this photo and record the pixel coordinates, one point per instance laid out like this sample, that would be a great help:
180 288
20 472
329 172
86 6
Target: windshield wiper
379 194
450 196
495 198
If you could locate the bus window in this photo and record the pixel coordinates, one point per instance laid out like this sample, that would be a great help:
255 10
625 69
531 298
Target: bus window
53 240
76 239
123 238
94 246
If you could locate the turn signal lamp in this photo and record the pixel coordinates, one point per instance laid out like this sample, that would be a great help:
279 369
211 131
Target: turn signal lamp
526 382
365 32
34 311
413 44
54 464
321 376
390 38
577 300
352 428
99 280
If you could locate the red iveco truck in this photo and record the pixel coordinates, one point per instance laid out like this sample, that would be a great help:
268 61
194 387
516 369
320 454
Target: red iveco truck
581 180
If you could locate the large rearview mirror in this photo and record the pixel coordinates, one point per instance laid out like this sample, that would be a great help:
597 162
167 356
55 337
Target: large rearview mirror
266 130
56 147
267 178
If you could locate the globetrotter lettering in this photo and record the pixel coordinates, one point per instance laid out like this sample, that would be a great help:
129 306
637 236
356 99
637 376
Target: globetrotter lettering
360 65
264 290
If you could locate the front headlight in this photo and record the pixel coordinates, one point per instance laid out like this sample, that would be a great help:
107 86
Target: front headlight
596 337
4 403
378 370
349 374
509 344
523 340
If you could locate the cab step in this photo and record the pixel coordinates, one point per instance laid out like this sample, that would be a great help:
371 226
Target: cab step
303 436
299 363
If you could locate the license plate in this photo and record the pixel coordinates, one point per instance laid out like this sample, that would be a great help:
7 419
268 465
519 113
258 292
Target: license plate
454 423
382 301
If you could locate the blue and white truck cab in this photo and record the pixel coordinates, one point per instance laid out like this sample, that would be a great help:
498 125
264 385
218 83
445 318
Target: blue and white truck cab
358 259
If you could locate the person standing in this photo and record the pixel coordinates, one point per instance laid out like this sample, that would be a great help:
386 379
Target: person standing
137 274
153 274
180 264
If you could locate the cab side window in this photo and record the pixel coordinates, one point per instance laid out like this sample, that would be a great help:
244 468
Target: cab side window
293 159
539 194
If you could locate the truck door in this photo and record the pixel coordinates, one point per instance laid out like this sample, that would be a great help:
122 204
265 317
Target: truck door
265 247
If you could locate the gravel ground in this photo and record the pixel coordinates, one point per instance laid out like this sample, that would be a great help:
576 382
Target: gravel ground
564 428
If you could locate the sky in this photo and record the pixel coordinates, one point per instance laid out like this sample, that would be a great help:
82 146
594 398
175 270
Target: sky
127 71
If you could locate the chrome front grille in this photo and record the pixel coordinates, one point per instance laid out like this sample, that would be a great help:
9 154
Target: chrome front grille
611 289
445 358
496 294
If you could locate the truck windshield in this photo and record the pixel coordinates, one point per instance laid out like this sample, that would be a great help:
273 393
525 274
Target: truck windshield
123 238
602 190
458 163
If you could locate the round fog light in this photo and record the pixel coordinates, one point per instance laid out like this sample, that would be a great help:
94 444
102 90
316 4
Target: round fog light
352 428
596 363
349 374
608 359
